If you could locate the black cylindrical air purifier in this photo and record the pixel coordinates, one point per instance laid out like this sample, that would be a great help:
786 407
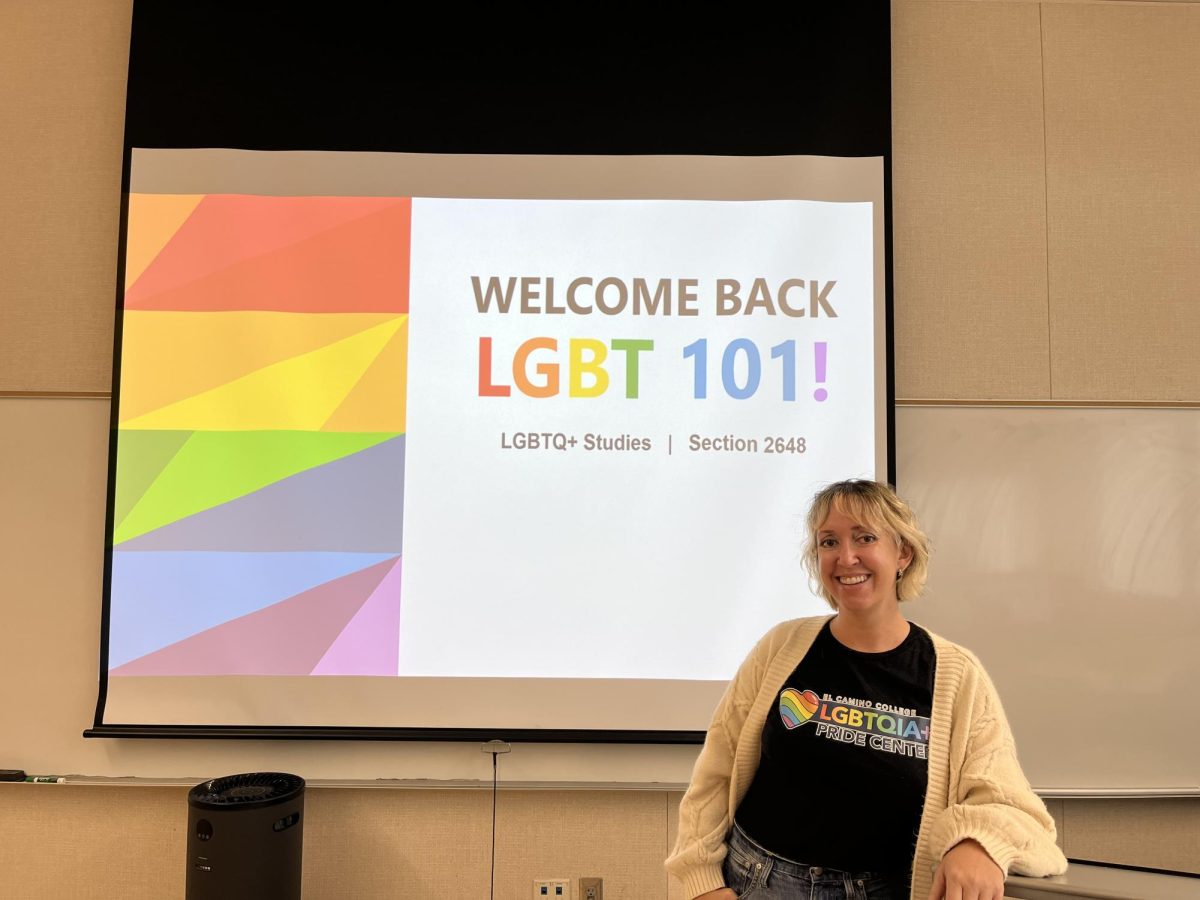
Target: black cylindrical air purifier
246 837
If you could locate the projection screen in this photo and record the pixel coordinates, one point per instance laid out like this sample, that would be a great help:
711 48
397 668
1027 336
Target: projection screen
414 441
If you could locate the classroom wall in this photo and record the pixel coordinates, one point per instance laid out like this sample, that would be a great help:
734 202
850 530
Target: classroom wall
1046 194
92 841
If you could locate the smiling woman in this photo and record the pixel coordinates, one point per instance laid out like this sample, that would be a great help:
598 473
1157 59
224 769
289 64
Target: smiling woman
860 756
872 511
859 565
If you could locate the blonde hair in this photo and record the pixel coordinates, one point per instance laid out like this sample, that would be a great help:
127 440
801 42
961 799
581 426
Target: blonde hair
876 504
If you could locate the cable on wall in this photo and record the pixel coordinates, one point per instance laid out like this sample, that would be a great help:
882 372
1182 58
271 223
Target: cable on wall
495 748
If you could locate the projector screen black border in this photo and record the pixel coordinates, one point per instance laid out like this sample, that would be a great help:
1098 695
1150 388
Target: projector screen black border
330 733
814 79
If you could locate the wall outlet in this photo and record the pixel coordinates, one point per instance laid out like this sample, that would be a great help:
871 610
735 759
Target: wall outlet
552 889
591 889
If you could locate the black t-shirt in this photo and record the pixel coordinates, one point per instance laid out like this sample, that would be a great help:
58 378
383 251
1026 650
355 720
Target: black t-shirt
841 781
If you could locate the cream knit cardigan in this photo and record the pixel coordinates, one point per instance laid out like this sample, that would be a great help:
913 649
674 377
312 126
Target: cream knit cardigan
976 787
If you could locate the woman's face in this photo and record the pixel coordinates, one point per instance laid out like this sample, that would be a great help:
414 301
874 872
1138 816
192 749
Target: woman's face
858 563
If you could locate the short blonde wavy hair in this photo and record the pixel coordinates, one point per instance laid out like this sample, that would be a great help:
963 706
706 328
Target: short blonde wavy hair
878 505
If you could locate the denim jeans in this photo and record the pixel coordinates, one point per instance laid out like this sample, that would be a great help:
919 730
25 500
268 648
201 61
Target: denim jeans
758 874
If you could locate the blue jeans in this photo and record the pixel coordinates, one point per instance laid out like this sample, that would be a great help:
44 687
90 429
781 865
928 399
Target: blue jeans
758 874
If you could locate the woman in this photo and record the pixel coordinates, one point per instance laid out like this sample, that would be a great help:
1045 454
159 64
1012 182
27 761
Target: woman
859 756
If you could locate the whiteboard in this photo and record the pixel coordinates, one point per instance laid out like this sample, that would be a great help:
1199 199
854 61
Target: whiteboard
1067 556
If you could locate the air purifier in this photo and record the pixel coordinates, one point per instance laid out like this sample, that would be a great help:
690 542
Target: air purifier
246 837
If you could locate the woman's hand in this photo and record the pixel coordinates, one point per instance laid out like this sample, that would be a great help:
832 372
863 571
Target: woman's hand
719 894
967 873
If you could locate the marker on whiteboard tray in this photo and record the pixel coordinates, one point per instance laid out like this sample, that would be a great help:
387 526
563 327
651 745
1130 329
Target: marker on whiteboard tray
46 779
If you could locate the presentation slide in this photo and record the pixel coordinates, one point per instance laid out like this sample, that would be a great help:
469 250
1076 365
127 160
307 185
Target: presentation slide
387 440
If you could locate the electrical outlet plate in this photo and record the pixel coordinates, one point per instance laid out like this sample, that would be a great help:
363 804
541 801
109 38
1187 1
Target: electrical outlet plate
552 889
591 889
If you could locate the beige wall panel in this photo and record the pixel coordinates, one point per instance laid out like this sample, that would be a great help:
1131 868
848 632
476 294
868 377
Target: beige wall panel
92 843
1154 834
1055 808
616 835
969 201
370 843
1123 141
62 101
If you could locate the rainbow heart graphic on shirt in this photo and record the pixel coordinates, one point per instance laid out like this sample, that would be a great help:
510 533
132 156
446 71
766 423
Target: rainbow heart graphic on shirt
797 707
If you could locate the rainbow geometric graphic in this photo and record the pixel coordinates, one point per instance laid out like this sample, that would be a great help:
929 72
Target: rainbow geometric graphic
258 510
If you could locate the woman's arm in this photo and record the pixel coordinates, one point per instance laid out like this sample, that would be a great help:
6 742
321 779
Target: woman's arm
967 872
704 814
992 805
